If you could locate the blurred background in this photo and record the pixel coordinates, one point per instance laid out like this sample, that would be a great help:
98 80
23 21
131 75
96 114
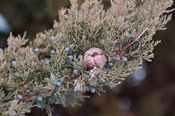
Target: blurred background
147 92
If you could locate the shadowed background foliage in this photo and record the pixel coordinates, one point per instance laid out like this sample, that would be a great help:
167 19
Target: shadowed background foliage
148 92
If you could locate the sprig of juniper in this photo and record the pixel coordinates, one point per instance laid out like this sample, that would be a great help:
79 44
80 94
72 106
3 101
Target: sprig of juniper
52 69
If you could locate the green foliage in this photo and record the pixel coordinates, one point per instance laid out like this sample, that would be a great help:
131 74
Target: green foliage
124 30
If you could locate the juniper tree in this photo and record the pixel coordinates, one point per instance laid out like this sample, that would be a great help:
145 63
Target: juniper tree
87 49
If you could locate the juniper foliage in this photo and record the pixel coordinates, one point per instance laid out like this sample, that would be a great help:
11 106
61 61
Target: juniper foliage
31 75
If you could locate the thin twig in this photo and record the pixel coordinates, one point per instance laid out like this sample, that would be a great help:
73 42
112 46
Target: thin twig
131 43
15 101
141 34
122 6
125 47
9 103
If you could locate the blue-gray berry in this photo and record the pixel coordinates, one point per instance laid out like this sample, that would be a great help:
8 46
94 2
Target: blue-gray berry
13 63
103 41
18 75
58 83
13 113
76 88
117 58
125 59
52 52
36 50
47 60
110 64
76 72
19 96
46 78
42 61
71 45
137 42
52 38
27 91
93 90
39 105
52 76
70 57
67 49
55 95
84 88
40 98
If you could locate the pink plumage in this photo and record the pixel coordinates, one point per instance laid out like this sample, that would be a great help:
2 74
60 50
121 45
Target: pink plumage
95 57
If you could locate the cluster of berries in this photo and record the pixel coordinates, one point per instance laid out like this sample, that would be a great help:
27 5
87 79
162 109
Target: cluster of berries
52 52
118 58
